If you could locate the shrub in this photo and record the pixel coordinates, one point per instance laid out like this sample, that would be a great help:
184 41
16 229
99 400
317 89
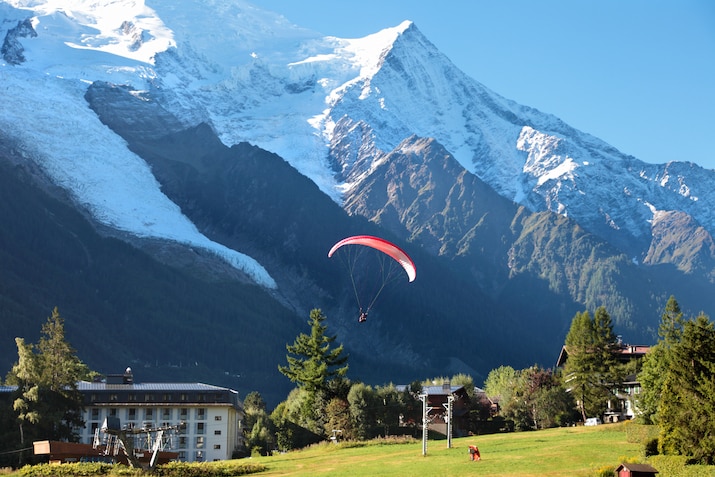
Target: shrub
677 466
80 469
606 471
209 469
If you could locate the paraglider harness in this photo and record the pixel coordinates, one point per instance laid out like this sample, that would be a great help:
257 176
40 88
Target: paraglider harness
363 317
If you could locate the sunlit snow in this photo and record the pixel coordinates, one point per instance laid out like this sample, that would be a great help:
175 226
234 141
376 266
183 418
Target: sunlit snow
256 77
54 126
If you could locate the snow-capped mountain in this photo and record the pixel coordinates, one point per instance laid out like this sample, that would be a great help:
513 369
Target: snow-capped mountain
255 77
117 103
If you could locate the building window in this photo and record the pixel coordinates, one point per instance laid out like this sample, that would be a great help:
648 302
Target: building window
184 397
217 432
201 397
113 412
149 414
148 397
95 414
200 428
199 456
182 442
200 442
132 397
217 418
131 414
217 446
113 397
166 397
166 414
183 414
201 413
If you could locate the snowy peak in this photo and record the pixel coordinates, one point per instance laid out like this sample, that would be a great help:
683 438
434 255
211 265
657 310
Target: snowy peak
126 29
321 103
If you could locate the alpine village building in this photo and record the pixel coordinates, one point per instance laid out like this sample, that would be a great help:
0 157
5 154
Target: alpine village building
199 422
622 405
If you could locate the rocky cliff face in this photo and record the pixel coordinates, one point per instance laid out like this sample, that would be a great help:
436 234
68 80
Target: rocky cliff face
11 49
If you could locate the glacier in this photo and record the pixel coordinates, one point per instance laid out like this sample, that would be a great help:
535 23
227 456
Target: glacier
256 77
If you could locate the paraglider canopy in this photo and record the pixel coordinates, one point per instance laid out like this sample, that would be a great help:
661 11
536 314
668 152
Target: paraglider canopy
385 247
372 263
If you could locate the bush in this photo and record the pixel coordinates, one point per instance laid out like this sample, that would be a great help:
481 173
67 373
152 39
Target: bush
209 469
677 466
606 471
80 469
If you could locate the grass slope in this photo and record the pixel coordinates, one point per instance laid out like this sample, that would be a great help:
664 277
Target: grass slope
575 451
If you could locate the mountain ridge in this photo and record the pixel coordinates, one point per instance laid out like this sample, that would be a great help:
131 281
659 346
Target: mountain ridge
237 168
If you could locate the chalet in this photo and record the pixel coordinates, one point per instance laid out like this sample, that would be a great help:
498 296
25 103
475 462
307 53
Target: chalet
625 393
438 401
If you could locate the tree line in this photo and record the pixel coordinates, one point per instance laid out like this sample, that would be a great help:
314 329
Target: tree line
677 378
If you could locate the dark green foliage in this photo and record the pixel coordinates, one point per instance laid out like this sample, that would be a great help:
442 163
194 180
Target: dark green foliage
363 404
312 362
650 447
657 361
47 403
319 370
686 414
678 380
531 398
258 428
591 368
290 424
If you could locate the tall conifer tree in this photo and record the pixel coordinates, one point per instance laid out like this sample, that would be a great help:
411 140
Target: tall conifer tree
657 361
591 369
312 362
47 402
686 413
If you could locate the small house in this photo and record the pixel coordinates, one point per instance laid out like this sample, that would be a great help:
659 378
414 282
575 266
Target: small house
635 470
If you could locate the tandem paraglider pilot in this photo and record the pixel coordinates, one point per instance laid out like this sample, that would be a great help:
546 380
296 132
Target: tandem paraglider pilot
474 453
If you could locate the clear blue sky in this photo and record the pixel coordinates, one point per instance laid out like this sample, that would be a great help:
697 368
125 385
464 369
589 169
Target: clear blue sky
639 74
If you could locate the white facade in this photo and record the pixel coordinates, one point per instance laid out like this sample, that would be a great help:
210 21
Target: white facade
210 416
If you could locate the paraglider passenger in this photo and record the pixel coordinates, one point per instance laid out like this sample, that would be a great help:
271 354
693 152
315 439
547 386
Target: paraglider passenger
363 317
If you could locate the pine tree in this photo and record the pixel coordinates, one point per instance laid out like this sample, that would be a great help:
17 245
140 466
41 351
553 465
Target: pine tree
591 370
47 402
580 363
311 361
313 364
657 361
686 413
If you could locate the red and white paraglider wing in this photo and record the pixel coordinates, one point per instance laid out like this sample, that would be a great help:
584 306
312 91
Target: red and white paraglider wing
384 246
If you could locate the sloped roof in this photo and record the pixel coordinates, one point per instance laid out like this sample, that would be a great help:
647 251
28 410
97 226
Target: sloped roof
441 390
637 468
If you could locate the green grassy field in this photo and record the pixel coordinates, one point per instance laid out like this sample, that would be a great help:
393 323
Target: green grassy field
574 452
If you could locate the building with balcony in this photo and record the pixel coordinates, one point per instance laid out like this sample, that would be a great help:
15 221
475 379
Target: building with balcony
210 417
